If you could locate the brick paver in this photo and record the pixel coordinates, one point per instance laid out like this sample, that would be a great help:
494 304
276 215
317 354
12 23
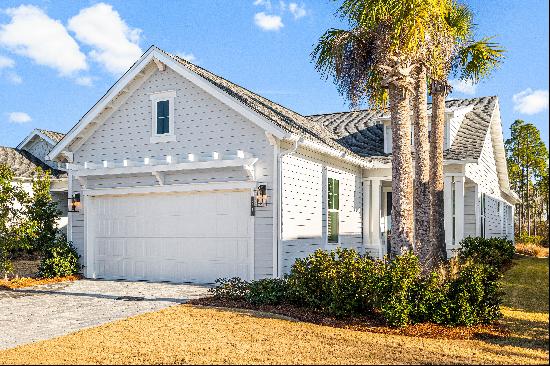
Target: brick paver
43 312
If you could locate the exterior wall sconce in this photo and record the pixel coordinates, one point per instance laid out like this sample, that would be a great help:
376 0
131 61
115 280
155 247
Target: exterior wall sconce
261 195
74 203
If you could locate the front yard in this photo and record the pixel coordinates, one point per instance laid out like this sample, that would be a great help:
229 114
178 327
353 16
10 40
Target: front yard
188 334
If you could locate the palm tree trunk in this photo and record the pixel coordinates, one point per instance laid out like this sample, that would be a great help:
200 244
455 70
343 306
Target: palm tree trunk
422 170
402 230
437 221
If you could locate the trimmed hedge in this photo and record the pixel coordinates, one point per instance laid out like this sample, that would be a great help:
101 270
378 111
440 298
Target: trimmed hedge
59 259
344 283
495 252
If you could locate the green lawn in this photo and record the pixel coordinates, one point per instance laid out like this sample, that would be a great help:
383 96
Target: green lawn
526 285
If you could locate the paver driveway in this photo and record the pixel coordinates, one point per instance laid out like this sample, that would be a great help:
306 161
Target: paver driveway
48 311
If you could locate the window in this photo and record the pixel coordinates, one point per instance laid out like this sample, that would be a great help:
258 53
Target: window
482 215
162 112
163 117
333 206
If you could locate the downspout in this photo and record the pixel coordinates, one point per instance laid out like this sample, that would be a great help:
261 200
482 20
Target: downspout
292 150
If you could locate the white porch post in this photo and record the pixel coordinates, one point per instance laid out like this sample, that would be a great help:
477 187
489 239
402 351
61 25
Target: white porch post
459 209
375 216
366 213
448 210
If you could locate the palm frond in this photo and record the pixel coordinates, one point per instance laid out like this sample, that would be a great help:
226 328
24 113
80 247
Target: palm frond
478 59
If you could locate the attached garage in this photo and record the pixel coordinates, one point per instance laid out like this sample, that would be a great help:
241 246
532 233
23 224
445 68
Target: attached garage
195 236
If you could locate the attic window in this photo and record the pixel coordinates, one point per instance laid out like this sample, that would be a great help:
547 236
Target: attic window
162 113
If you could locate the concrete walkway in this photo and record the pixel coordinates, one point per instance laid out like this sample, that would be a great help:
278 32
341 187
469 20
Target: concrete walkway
43 312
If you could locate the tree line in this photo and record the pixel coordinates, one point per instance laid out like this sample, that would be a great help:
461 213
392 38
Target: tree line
527 160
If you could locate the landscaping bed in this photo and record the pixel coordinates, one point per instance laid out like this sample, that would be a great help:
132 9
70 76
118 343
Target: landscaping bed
362 323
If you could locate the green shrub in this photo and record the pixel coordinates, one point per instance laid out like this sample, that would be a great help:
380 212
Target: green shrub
395 285
525 238
474 295
268 291
495 252
344 283
340 282
59 259
230 289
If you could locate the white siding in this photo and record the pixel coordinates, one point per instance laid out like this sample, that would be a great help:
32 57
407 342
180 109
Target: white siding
304 180
470 203
202 125
40 148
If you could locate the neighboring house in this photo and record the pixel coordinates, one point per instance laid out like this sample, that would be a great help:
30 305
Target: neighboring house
31 154
170 163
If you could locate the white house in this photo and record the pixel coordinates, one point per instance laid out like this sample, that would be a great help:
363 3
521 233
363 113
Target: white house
171 166
31 154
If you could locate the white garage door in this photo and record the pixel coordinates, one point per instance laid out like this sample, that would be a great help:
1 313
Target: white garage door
178 237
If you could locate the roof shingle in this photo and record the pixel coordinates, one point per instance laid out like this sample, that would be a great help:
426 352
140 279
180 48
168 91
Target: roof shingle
24 163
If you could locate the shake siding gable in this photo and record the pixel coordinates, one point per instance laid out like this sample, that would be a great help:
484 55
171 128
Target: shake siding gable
304 200
202 124
40 149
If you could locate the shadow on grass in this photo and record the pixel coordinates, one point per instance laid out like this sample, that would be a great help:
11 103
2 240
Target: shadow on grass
530 334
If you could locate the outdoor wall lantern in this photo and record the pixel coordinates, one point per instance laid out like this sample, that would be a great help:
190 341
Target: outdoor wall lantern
74 203
261 195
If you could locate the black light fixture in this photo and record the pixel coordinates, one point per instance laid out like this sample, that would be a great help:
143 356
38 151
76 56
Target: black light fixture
261 195
74 203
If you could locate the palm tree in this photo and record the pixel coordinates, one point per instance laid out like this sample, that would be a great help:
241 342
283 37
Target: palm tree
455 52
374 61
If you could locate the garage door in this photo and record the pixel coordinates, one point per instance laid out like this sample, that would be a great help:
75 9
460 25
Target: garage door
178 237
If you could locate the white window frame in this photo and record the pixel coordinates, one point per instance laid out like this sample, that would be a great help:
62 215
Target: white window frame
169 96
328 211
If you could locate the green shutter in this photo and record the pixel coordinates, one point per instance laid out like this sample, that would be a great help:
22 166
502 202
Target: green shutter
163 118
333 227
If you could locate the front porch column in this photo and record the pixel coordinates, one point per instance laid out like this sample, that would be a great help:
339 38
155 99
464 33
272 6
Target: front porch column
453 197
459 210
375 212
366 213
448 210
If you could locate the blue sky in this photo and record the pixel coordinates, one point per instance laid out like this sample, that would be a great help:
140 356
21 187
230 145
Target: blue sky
57 58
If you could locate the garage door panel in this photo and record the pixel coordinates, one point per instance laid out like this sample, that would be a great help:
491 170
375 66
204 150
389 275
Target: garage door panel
172 237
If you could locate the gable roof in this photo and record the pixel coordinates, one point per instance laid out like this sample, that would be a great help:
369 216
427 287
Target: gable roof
51 137
285 122
362 131
24 163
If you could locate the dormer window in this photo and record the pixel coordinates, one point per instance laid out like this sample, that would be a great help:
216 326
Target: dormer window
162 113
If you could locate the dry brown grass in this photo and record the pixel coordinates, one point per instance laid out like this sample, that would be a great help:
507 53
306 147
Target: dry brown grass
29 281
193 334
186 334
532 250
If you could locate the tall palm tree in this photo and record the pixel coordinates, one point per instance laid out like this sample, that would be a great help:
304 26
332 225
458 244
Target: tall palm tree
379 54
455 52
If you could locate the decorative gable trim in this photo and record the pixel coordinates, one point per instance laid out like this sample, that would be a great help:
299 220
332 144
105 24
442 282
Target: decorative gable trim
121 90
34 133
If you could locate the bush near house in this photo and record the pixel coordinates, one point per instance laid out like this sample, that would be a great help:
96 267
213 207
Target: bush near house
344 283
28 224
495 252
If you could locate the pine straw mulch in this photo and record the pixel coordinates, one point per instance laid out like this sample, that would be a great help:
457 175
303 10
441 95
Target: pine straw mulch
363 323
22 282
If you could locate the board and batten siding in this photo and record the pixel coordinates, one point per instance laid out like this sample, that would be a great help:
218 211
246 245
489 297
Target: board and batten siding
497 210
202 125
304 199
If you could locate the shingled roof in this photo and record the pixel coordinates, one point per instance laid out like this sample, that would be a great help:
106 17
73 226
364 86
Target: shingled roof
282 117
24 163
55 136
362 131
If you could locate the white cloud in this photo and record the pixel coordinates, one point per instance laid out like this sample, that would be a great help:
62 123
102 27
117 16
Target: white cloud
264 3
6 62
298 11
19 117
33 34
84 81
268 22
463 86
530 101
187 56
14 78
114 44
